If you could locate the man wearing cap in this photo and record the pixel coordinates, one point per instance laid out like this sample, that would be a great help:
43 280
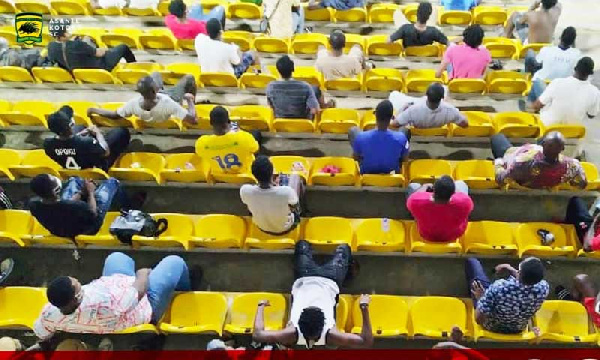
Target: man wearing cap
76 147
334 63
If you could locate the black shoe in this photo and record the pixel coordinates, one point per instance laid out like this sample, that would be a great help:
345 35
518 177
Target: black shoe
562 293
522 105
6 268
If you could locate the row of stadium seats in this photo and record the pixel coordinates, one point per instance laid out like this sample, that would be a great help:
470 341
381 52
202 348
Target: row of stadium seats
189 168
431 316
220 231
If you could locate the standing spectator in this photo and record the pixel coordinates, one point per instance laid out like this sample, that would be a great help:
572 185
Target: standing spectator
336 4
419 34
468 60
187 25
537 25
285 18
214 55
507 305
334 63
80 53
76 147
275 207
536 166
289 98
441 210
461 5
380 151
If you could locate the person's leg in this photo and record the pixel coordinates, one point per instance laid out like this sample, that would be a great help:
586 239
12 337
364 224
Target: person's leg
187 84
336 269
304 264
170 275
531 64
113 56
353 133
118 263
249 58
499 144
579 216
297 183
583 287
117 139
298 20
406 132
105 193
73 186
196 12
474 272
510 24
461 187
412 188
537 88
157 77
218 12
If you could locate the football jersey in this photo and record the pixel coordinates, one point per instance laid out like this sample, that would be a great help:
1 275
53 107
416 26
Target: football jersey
231 153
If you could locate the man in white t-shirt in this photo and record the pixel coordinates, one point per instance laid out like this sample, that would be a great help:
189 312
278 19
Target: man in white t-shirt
570 100
214 55
275 208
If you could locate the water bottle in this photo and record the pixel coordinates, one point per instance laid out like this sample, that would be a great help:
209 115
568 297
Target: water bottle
385 225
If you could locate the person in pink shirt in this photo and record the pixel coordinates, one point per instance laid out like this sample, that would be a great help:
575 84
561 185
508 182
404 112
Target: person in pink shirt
187 25
468 60
441 210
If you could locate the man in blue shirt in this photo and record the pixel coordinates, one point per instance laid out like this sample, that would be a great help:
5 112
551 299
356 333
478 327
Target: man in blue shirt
464 5
380 151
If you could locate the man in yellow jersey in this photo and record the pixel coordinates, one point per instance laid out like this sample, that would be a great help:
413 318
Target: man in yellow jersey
228 150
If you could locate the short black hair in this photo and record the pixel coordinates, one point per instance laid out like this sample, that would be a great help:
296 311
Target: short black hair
311 322
444 188
146 85
337 39
285 66
60 292
213 28
548 4
59 27
473 36
42 186
262 169
219 116
531 271
424 12
435 93
177 8
60 121
568 36
384 112
585 66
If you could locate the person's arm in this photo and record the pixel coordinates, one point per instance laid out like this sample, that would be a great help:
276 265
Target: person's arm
235 56
141 282
109 114
91 198
100 138
485 301
460 120
508 268
536 4
190 116
578 178
440 37
311 102
397 35
356 149
364 339
443 66
594 108
501 171
590 234
286 336
545 98
100 52
43 330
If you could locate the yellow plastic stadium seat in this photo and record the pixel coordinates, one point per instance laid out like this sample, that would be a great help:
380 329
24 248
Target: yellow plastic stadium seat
378 45
218 79
489 15
417 81
34 6
40 235
252 117
382 235
5 105
6 7
348 174
410 12
118 36
203 117
308 74
139 329
28 113
478 174
35 162
175 71
480 333
186 45
535 47
242 10
345 84
309 43
94 76
490 238
69 7
516 124
293 125
139 166
79 111
368 121
259 81
130 76
103 237
184 168
428 170
338 121
507 82
418 244
502 48
271 45
109 11
382 180
8 158
351 15
467 86
453 17
9 35
341 312
93 32
195 312
141 12
257 239
354 39
91 173
439 131
384 80
432 50
327 232
290 165
15 74
388 314
480 125
529 242
435 316
326 14
243 39
382 13
14 224
564 321
114 106
54 75
178 234
591 175
158 39
21 306
219 231
243 311
569 131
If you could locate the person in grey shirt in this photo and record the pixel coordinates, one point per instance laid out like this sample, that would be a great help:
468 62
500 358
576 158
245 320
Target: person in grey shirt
431 112
289 98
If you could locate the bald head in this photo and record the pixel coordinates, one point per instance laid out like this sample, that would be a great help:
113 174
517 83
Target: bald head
147 87
553 144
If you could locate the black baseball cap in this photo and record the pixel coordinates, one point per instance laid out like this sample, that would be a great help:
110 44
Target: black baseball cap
60 121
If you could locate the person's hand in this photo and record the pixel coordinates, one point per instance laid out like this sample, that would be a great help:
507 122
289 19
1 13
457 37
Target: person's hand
189 97
536 331
143 271
499 162
477 290
364 301
94 130
264 303
503 267
91 111
89 186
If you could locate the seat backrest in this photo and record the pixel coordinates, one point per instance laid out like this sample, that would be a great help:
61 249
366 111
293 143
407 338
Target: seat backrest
184 161
243 310
198 308
17 222
220 227
179 225
527 233
515 117
591 171
386 312
347 165
340 114
562 317
429 167
376 230
477 117
328 228
23 303
38 107
438 314
39 158
9 157
252 111
284 164
489 232
475 168
154 162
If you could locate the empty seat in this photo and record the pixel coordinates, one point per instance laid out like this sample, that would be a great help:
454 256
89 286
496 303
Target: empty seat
195 312
536 47
530 243
243 39
14 224
388 315
219 231
419 80
379 45
69 7
435 316
327 232
109 11
382 180
8 158
293 125
35 162
257 239
347 174
338 121
141 11
591 174
345 84
218 79
309 43
432 50
158 39
489 237
252 117
118 36
103 237
175 71
53 75
489 15
564 321
179 231
383 80
516 124
131 76
185 168
467 86
502 48
291 165
28 113
21 306
418 244
243 10
381 235
95 76
323 14
256 81
478 174
507 82
356 14
243 311
80 111
480 125
7 7
271 45
569 131
453 17
428 170
382 13
139 166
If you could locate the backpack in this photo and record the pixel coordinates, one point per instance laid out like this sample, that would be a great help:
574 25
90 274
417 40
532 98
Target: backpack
135 222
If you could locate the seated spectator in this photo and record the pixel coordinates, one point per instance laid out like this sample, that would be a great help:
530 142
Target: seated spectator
336 4
507 305
586 226
76 147
583 291
461 5
284 18
419 34
23 58
227 151
570 100
315 295
552 62
275 202
537 25
441 210
380 151
289 98
155 105
468 60
77 209
214 55
334 64
535 166
187 25
121 298
77 52
431 112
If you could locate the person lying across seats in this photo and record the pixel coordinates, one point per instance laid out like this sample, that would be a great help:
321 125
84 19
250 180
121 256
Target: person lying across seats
121 298
536 25
583 291
334 64
468 60
536 166
419 34
186 24
586 226
315 294
507 305
78 147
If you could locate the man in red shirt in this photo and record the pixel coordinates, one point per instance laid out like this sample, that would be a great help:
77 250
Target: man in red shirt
441 210
186 25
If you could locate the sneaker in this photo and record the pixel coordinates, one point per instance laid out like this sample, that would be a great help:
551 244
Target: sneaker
522 105
562 293
6 268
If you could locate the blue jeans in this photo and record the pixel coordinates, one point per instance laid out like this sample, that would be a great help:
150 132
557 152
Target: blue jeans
170 275
298 21
247 61
537 88
197 13
474 271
